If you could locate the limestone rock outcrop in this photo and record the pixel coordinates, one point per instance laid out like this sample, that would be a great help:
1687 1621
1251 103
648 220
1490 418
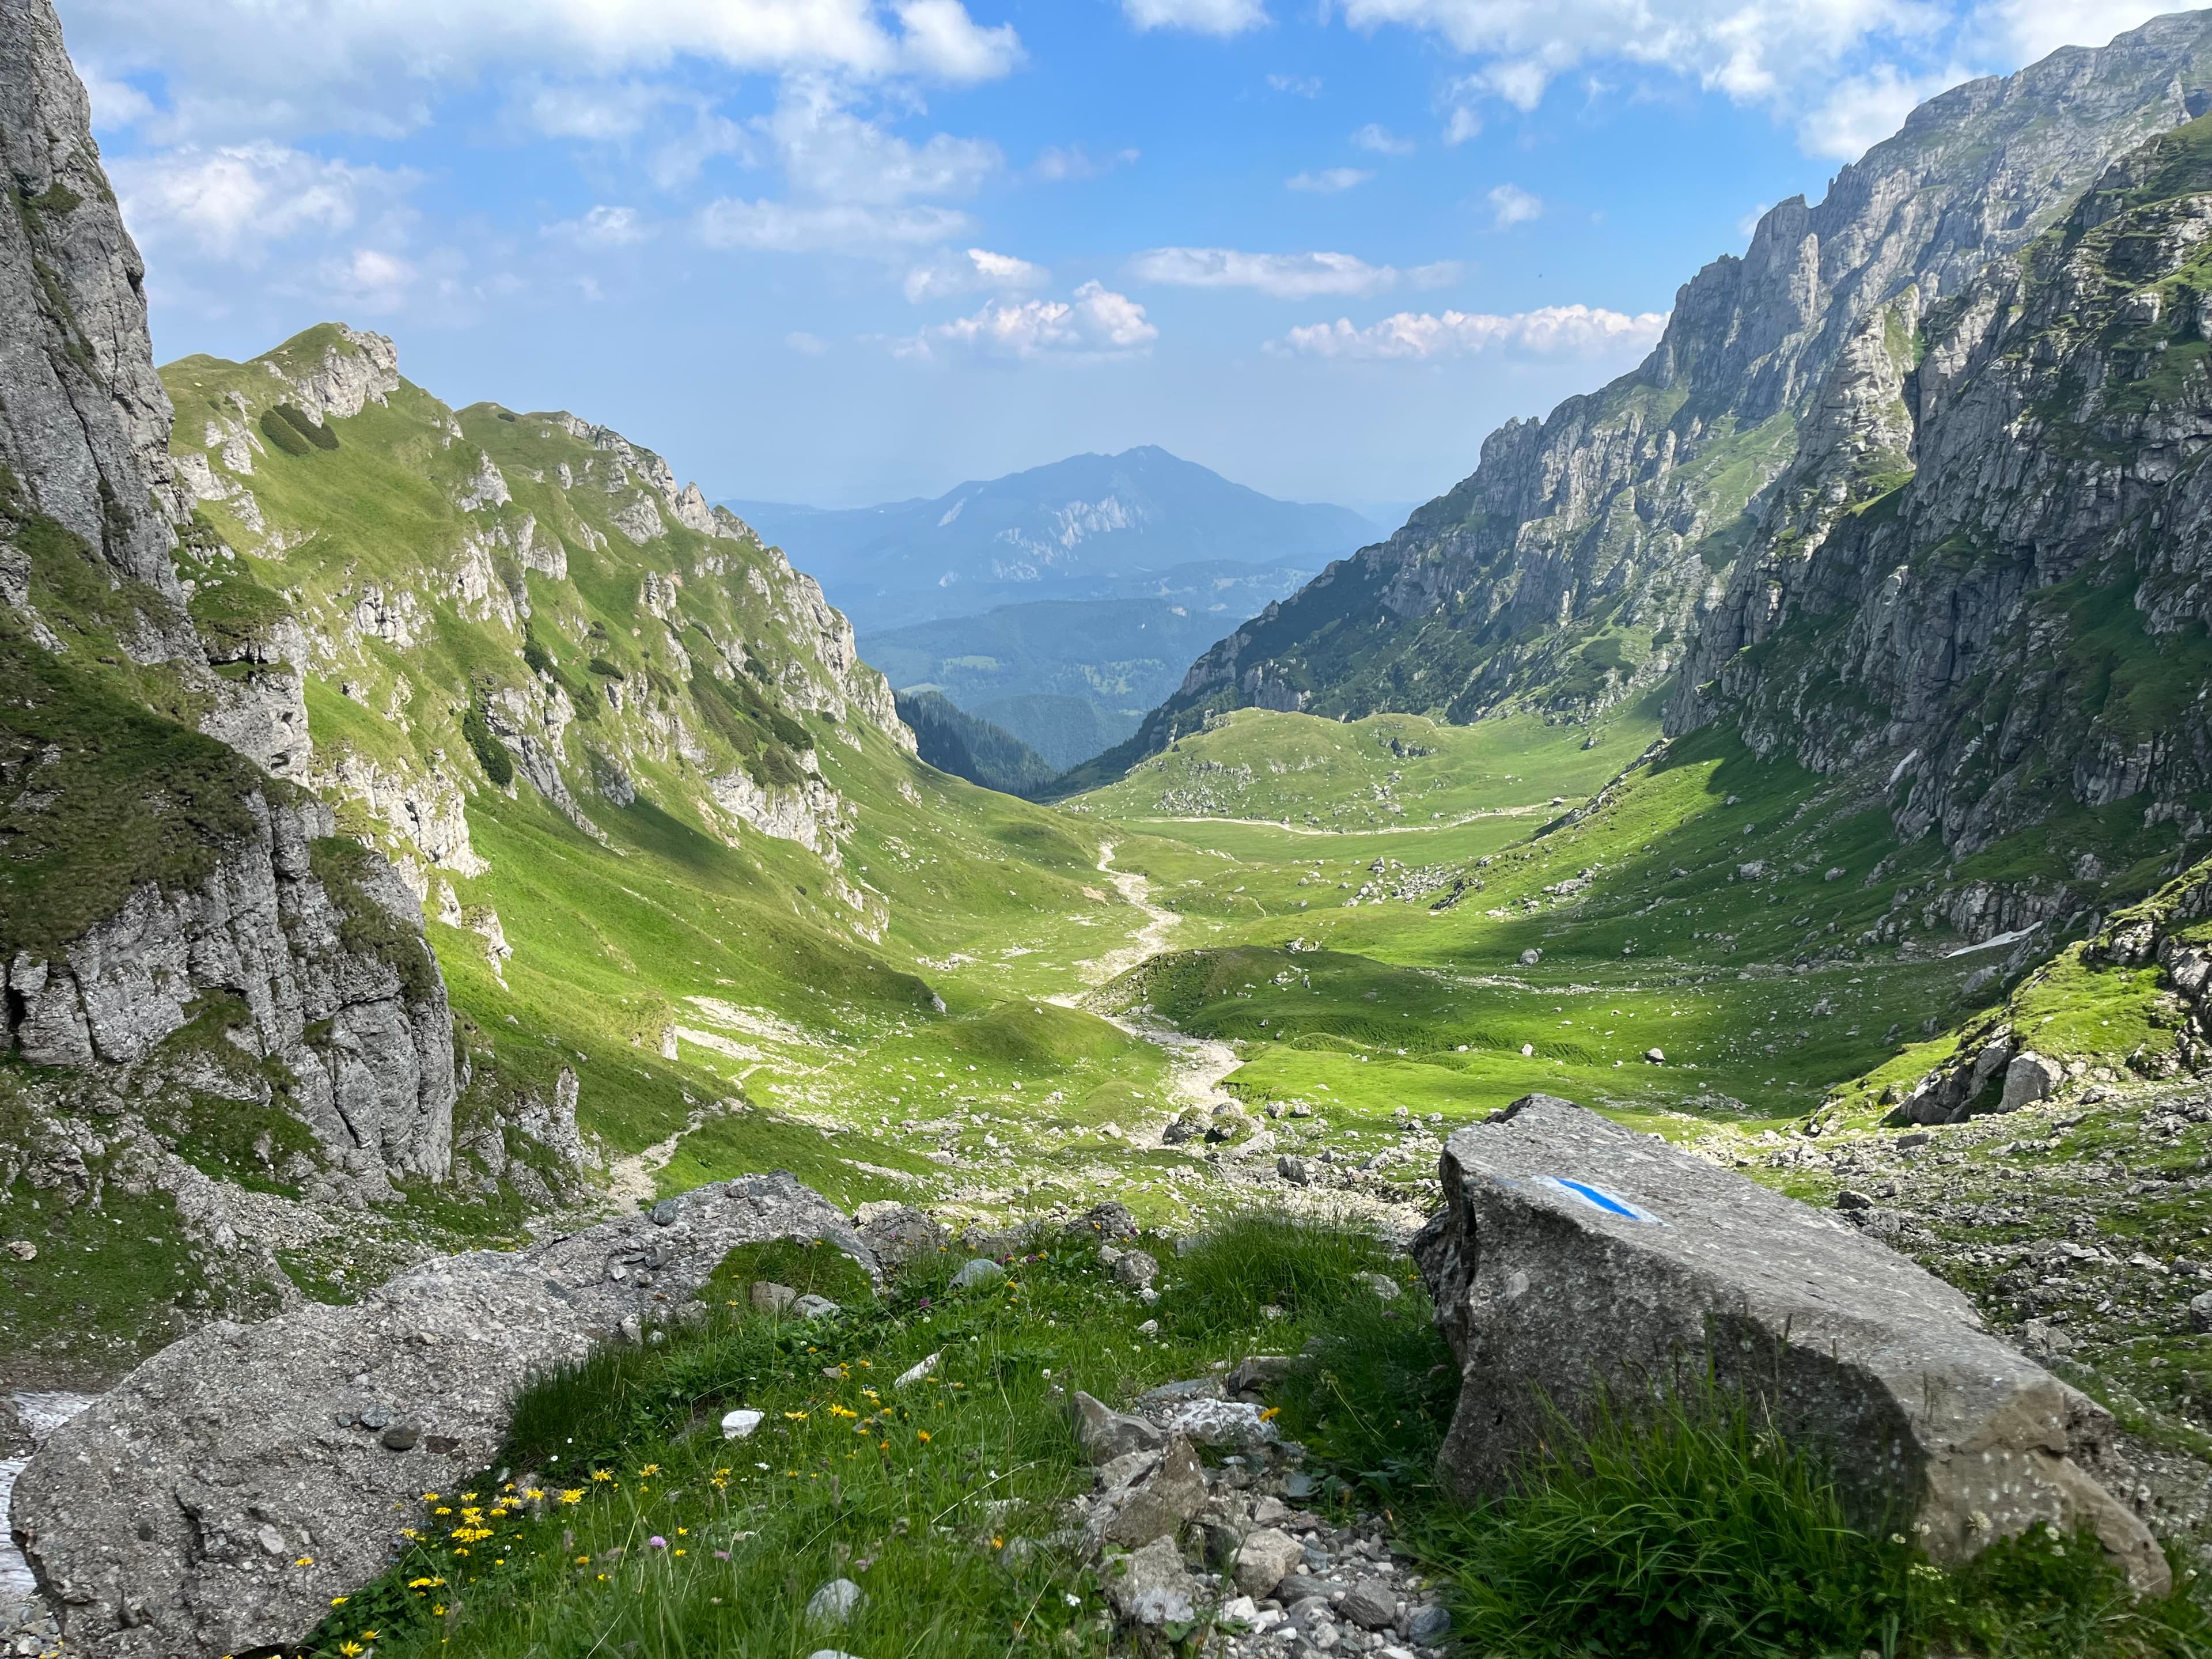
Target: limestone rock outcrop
309 932
1574 1258
2006 627
217 1498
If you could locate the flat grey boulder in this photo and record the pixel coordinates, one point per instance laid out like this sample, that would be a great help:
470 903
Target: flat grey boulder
1575 1256
216 1499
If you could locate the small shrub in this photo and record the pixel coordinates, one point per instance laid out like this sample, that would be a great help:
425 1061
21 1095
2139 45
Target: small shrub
282 433
1376 1400
491 754
605 670
318 432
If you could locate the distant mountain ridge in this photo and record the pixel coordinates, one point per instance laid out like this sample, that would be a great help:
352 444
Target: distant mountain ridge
1144 523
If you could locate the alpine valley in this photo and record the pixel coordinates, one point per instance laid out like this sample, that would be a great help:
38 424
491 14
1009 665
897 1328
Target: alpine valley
500 1002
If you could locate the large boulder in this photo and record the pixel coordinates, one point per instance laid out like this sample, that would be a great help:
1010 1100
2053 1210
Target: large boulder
1576 1258
218 1498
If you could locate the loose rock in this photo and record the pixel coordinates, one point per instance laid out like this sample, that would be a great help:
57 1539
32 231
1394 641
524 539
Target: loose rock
979 1274
1152 1586
1608 1256
145 1514
1105 1434
1266 1556
834 1603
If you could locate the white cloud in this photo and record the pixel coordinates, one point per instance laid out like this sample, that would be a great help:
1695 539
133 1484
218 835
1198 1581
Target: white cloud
1765 52
854 184
1383 141
830 227
236 202
831 155
678 162
244 66
1056 166
1280 276
116 105
603 227
980 271
1509 204
1298 86
1329 180
942 40
1222 17
1749 222
1859 113
1093 322
369 280
807 345
1422 334
1464 124
598 110
2024 30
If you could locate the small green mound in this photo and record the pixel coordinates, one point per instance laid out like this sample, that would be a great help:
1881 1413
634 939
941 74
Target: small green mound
810 1266
282 433
1037 1034
1114 1100
317 433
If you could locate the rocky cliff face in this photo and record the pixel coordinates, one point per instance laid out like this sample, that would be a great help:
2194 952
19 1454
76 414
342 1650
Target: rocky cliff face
85 421
1570 567
179 924
2011 631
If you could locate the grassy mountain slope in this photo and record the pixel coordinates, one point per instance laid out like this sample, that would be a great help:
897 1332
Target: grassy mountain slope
715 888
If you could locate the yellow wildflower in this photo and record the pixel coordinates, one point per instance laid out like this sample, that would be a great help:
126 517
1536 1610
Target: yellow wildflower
340 1600
573 1495
921 1434
305 1561
601 1474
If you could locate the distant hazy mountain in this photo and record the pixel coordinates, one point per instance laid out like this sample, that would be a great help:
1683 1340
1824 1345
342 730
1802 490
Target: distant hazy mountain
1069 678
1140 524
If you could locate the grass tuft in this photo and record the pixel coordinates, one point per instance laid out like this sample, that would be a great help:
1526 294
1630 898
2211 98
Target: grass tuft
1259 1260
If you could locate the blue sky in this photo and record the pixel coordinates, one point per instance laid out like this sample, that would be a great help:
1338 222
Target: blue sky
843 250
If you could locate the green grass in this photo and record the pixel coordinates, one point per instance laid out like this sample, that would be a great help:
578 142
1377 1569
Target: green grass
914 1493
1690 1528
617 1519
